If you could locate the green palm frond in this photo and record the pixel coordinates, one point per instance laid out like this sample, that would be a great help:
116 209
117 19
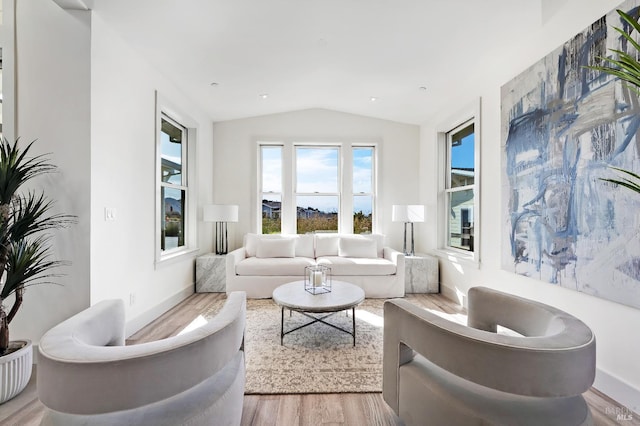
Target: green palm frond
26 219
29 263
31 213
627 183
16 168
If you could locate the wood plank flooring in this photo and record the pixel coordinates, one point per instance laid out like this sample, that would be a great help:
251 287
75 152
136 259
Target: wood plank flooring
310 409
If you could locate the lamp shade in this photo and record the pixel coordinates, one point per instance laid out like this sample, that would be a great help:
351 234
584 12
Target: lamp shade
220 213
410 213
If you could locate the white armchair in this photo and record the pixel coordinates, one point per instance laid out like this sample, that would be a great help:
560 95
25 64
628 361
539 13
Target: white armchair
439 372
86 376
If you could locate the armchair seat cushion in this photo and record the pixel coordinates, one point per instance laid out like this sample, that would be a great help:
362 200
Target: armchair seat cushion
356 266
275 266
428 391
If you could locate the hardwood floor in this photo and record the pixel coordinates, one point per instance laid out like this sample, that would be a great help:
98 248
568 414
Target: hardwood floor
311 409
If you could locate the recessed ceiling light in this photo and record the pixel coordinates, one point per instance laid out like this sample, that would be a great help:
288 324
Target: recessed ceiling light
263 95
373 99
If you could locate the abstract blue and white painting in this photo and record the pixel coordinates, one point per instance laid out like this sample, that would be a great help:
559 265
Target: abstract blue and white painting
563 126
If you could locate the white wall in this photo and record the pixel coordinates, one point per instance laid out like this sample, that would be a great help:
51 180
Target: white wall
123 177
235 159
615 325
90 101
53 49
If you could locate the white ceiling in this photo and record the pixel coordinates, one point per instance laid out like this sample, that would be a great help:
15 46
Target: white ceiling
333 54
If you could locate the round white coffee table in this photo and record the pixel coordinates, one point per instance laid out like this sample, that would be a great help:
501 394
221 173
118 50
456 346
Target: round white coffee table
294 297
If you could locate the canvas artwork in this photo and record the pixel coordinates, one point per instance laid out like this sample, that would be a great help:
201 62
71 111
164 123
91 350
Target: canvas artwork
563 126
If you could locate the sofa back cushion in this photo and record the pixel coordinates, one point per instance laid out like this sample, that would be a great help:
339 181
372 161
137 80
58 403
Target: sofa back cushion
357 247
303 243
327 244
305 246
276 247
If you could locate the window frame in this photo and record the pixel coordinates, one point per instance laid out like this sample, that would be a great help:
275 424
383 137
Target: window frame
289 194
261 190
339 185
165 110
373 194
469 115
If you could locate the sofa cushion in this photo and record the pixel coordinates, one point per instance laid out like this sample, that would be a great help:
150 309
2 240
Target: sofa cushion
327 244
274 266
303 243
357 247
354 266
304 246
276 247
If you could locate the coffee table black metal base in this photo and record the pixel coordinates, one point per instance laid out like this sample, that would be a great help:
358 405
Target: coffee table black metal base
318 319
343 297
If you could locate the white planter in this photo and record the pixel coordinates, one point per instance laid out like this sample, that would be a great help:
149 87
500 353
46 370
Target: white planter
15 370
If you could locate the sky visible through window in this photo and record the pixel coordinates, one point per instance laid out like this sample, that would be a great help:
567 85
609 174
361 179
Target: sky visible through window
272 169
462 155
317 172
362 179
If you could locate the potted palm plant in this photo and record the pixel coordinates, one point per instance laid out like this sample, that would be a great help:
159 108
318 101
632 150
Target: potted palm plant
26 222
627 68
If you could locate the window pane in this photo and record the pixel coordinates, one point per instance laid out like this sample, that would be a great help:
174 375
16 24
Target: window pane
362 170
317 170
317 213
461 219
271 169
362 214
271 209
462 157
173 202
171 152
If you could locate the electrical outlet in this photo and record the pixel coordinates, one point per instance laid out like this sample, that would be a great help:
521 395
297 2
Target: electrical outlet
132 299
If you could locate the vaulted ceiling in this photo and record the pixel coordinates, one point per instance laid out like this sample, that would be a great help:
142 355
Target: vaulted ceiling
397 60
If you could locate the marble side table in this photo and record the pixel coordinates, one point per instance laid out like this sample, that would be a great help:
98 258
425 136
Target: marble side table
421 274
211 273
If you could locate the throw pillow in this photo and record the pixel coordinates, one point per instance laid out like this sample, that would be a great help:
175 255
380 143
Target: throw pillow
304 246
277 247
357 247
326 245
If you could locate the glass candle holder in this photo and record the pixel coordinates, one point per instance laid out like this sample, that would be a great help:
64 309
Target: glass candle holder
317 279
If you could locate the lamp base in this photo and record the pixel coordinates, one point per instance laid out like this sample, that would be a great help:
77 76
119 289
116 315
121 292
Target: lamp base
222 240
404 246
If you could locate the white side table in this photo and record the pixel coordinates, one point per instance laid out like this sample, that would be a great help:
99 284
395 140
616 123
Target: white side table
211 273
421 274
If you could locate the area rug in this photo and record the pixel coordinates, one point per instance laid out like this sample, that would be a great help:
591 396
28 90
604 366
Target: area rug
314 359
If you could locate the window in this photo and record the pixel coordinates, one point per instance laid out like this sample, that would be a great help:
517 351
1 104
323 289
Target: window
460 183
322 187
363 190
173 184
176 207
317 189
271 183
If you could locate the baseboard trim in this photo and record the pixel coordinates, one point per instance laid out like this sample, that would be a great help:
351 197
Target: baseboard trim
619 390
137 323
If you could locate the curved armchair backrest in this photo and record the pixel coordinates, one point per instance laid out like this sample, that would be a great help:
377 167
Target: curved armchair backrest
558 361
81 372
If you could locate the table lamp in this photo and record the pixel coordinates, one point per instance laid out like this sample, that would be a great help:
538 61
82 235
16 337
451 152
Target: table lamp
221 214
408 214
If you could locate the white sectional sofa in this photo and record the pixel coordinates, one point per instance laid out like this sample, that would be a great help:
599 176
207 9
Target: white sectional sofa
268 261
